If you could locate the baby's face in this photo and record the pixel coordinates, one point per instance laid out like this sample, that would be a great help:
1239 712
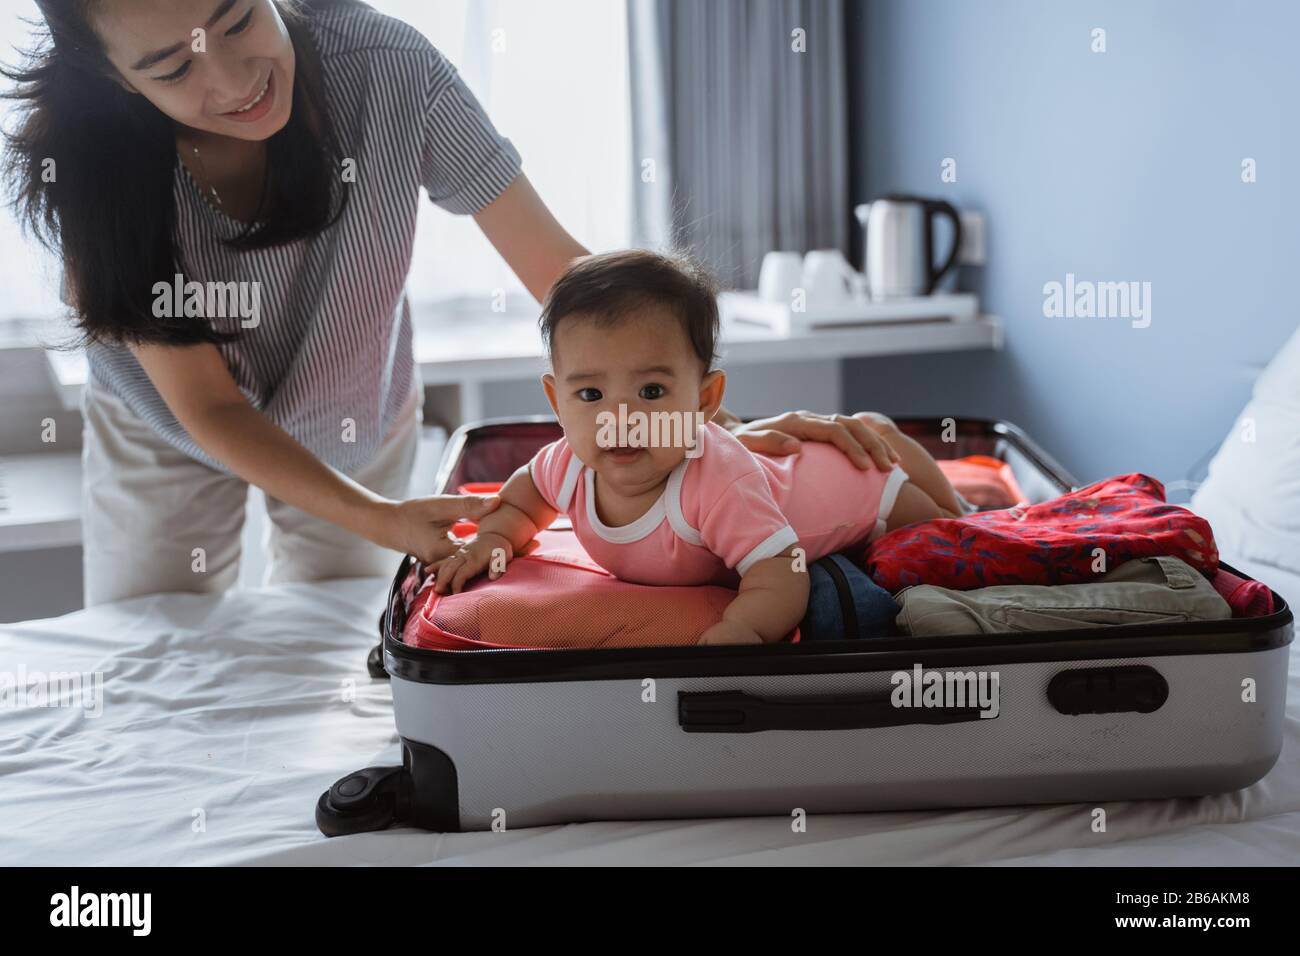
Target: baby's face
645 364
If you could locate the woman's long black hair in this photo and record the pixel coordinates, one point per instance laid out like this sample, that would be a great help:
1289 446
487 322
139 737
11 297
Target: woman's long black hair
91 167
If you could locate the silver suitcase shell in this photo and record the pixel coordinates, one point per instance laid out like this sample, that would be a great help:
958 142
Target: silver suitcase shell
537 737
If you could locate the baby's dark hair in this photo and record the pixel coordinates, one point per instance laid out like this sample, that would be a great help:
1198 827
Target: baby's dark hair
611 285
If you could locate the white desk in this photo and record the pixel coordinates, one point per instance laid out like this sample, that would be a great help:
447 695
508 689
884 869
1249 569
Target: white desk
471 351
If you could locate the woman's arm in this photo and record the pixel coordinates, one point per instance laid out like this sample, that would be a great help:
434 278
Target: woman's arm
535 246
858 436
198 388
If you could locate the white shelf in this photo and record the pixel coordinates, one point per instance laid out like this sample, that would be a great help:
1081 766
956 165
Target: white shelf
504 349
69 373
40 501
752 345
748 308
494 348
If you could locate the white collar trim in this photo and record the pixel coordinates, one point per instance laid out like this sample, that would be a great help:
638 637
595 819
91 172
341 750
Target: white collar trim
673 499
668 505
570 483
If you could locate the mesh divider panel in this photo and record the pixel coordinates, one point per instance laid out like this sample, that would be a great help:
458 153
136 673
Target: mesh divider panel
556 598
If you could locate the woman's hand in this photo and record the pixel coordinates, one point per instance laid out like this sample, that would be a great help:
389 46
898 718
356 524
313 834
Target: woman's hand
422 526
784 434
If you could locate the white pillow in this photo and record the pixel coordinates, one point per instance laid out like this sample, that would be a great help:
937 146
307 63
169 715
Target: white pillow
1251 496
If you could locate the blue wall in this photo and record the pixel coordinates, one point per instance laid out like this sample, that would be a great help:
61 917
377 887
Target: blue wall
1115 166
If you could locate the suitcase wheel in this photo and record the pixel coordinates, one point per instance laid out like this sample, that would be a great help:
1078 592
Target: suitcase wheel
360 802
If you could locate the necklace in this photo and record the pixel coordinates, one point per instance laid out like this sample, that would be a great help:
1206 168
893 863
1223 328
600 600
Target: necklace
204 170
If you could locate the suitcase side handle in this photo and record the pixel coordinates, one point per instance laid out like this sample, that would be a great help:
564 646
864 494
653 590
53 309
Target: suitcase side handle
739 712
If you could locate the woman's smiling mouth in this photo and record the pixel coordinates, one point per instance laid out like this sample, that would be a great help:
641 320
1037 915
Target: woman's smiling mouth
258 106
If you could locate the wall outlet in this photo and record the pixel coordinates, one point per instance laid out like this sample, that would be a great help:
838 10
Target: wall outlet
973 251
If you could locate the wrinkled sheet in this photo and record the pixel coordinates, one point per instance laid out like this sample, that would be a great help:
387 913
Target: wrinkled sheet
225 717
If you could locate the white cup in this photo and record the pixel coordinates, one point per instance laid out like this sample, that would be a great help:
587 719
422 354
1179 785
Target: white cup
829 279
780 275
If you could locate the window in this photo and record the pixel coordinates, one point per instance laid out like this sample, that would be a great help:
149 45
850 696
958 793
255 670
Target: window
553 78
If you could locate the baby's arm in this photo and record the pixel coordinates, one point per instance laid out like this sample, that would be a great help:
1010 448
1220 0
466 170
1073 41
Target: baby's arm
923 473
772 601
914 504
522 514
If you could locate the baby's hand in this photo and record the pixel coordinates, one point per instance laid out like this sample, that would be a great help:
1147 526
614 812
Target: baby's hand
730 632
487 552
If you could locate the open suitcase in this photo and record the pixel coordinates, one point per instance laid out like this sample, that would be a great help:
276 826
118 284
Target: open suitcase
519 738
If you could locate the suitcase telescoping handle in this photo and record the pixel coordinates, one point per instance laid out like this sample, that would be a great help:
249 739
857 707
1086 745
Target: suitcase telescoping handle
739 712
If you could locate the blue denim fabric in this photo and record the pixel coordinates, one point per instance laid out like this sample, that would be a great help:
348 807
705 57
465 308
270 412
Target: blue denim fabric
875 607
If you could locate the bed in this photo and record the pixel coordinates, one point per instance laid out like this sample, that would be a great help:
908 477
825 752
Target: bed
224 718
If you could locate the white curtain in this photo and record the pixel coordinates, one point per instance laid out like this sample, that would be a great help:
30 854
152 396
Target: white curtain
744 106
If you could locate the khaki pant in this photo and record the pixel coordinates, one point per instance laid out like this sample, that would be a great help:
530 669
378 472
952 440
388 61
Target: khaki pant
155 520
1157 590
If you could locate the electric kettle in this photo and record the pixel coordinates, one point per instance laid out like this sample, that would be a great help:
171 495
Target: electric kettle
899 244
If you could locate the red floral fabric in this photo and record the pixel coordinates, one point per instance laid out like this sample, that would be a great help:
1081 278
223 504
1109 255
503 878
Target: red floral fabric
1054 542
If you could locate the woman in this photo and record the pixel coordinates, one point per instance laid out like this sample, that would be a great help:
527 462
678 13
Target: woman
232 186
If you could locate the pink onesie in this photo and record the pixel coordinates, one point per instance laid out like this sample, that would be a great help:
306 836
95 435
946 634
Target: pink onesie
724 510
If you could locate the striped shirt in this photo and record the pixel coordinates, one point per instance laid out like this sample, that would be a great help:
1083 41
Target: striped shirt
330 360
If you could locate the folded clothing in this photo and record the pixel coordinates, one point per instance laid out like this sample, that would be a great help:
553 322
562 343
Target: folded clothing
1066 540
1157 590
1247 598
845 604
554 597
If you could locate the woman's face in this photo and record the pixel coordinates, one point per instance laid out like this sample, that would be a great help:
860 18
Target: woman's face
220 66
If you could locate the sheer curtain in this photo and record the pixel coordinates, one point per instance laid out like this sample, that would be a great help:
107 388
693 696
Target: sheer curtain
744 106
29 276
553 76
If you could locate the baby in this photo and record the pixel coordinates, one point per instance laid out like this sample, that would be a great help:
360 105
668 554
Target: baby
655 492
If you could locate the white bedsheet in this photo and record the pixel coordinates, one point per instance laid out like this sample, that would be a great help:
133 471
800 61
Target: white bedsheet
234 706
